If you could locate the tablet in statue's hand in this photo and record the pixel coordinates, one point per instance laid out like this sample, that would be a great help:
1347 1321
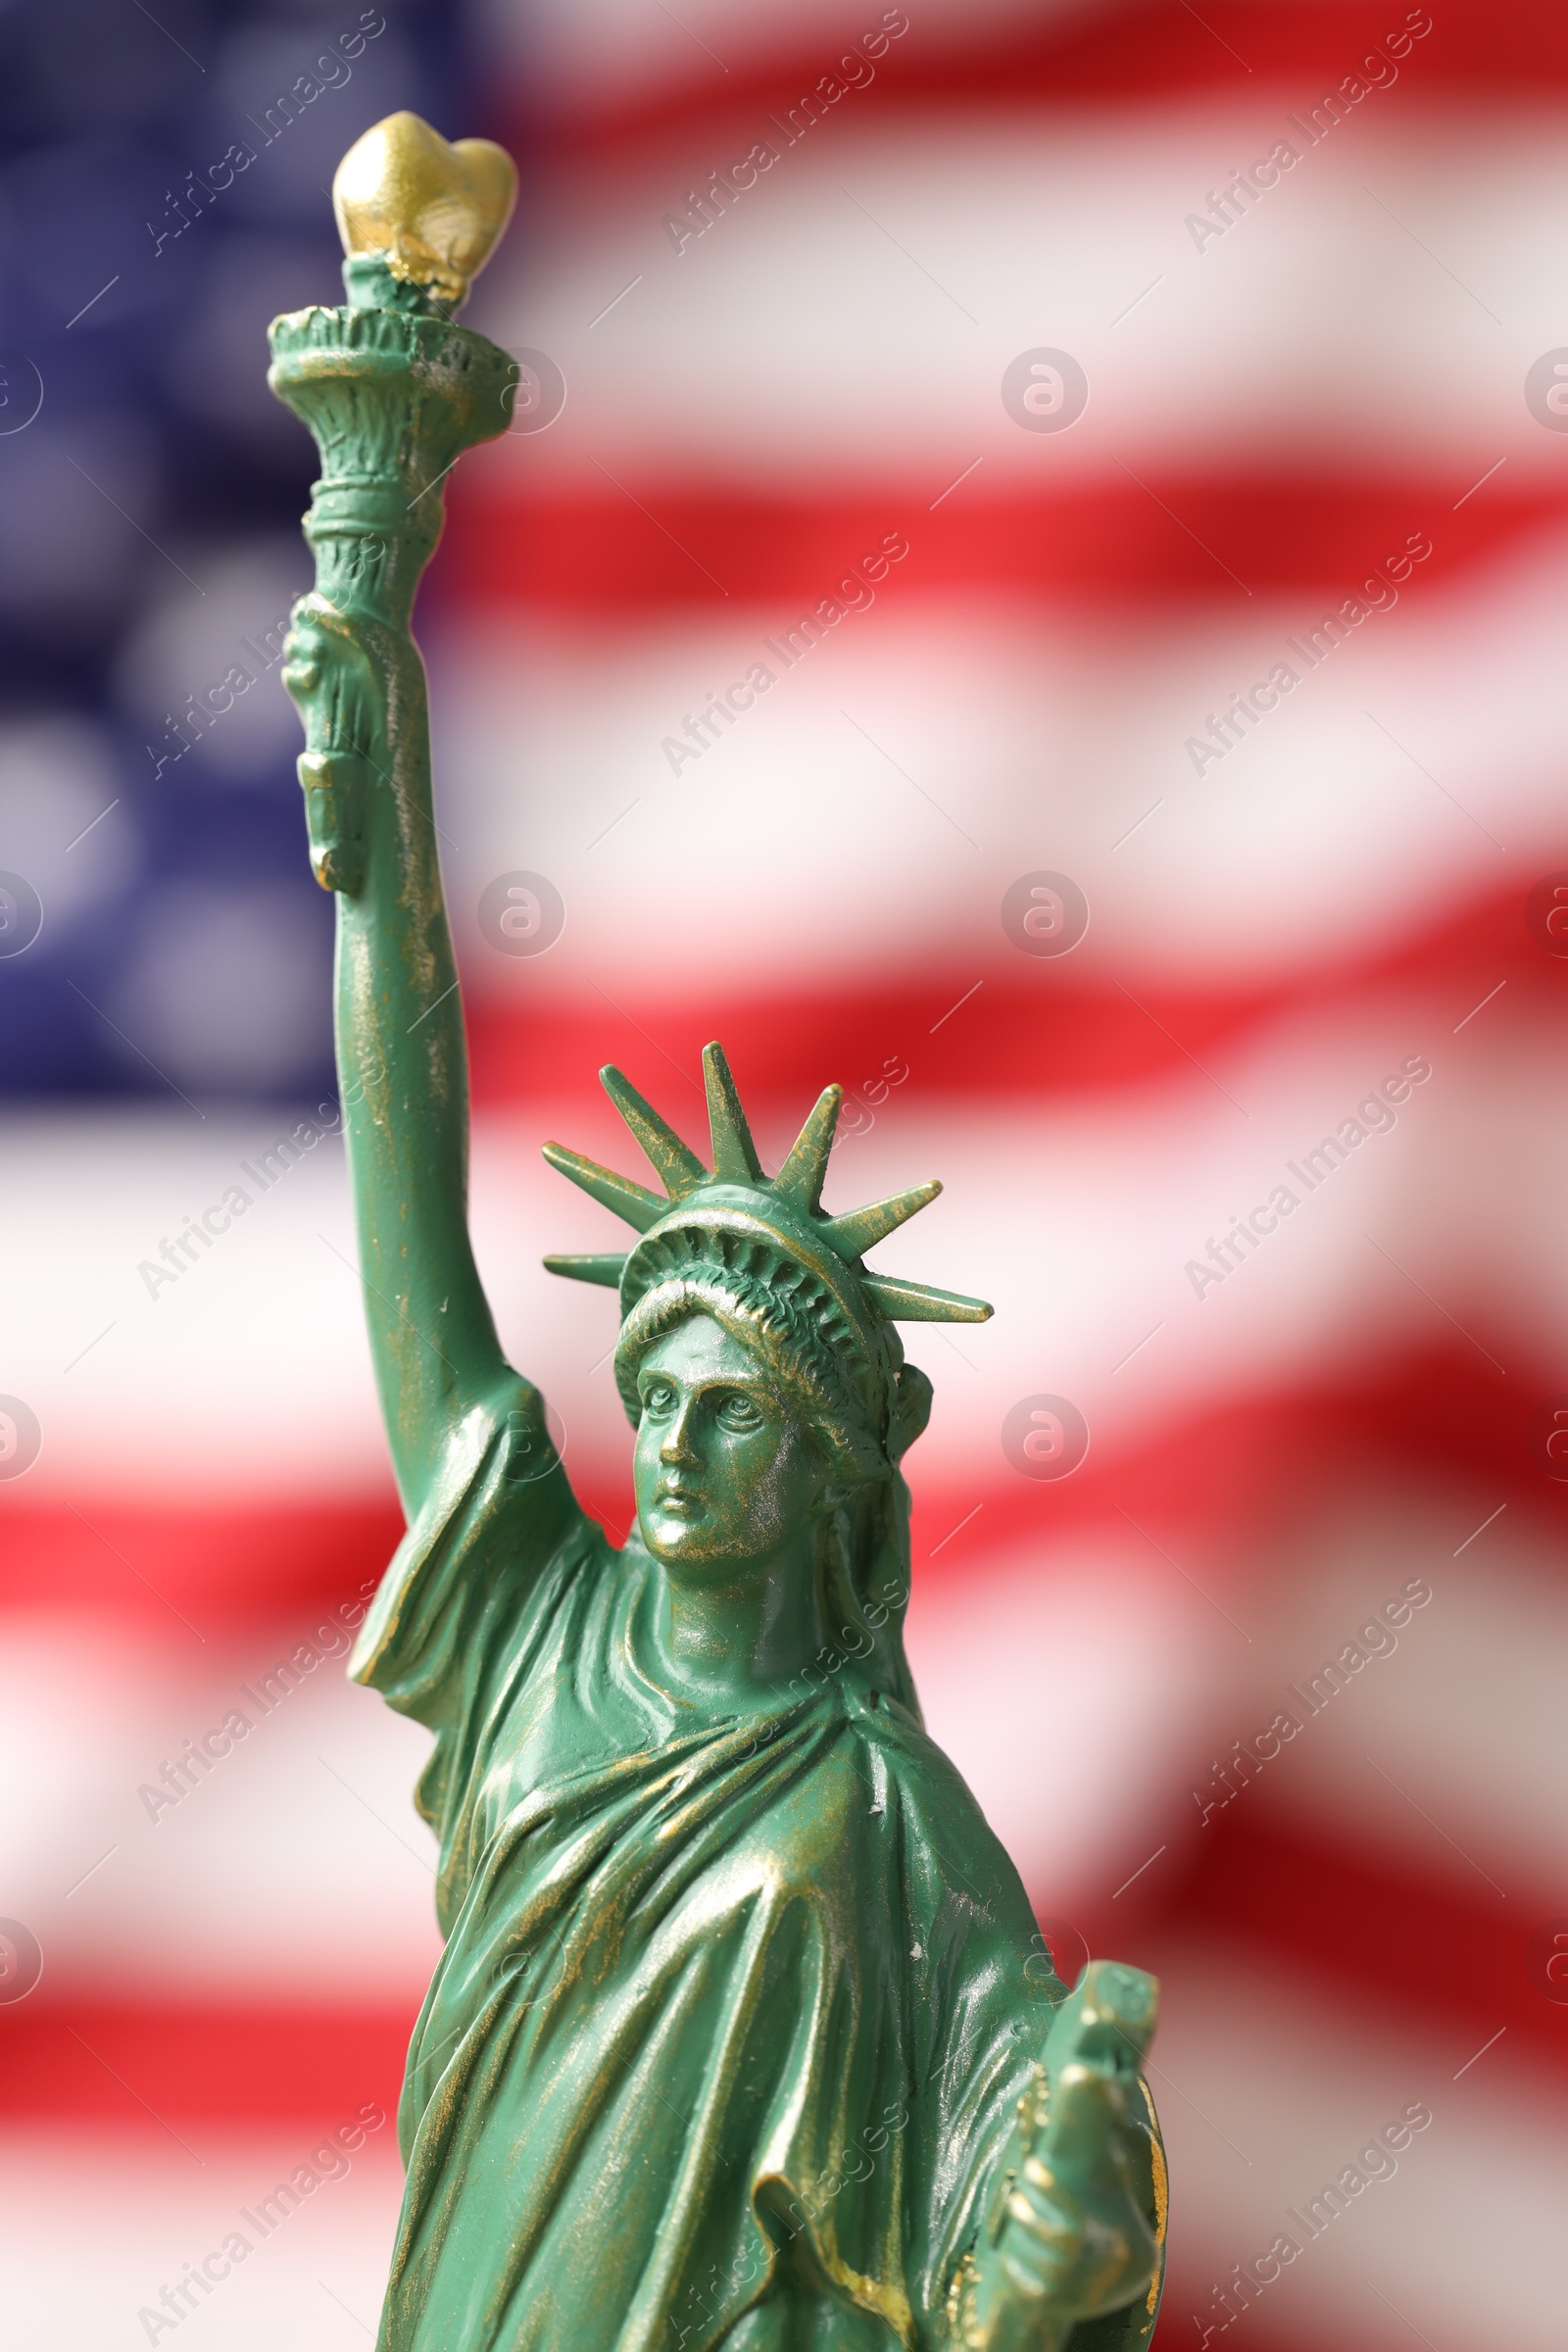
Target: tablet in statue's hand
1070 2236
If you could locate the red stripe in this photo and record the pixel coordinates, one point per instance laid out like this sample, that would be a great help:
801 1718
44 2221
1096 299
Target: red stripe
1036 1026
1363 1930
1187 2291
114 2059
1226 1481
1108 55
210 1565
1443 1953
1316 535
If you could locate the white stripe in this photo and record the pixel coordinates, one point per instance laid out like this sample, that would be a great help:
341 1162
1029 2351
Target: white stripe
318 2271
1375 794
1343 320
617 51
1305 2083
1080 1218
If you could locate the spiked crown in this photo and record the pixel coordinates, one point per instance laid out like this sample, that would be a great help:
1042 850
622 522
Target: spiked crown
761 1231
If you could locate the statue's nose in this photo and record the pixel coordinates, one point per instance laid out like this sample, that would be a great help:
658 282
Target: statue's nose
678 1446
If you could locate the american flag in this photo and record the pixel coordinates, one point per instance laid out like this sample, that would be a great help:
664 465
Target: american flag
1028 577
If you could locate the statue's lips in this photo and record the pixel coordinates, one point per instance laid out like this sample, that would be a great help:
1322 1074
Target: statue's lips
679 1501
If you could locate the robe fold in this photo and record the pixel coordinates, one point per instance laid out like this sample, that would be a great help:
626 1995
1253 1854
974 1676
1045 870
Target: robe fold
733 2014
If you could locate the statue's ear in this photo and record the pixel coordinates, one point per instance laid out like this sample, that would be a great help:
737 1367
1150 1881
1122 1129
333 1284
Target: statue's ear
912 1409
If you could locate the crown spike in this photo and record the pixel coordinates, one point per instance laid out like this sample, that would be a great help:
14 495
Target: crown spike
735 1159
676 1166
801 1177
632 1201
862 1228
917 1303
604 1265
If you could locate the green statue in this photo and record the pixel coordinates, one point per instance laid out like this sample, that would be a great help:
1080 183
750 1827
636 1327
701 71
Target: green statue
743 2034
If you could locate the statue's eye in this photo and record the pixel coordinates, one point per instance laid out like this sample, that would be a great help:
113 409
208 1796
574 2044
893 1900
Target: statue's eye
738 1412
657 1397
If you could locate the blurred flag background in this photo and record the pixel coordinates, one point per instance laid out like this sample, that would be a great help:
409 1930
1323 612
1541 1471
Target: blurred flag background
1030 576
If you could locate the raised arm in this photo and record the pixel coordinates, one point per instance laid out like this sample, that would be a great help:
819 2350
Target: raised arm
393 393
401 1058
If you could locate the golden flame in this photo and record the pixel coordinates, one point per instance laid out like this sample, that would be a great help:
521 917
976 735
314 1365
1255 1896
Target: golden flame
432 212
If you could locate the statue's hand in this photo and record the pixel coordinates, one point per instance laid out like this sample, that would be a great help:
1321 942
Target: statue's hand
1068 2239
335 666
1073 2243
336 672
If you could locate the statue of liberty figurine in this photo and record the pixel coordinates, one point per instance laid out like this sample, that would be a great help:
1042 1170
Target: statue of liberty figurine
743 2034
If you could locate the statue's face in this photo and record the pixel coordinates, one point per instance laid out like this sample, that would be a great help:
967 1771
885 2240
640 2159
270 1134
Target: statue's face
725 1471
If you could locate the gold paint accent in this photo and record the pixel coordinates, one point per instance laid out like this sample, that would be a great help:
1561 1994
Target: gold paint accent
1156 2148
964 2323
888 2303
432 212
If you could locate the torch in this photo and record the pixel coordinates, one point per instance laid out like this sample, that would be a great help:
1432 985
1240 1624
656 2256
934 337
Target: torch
393 393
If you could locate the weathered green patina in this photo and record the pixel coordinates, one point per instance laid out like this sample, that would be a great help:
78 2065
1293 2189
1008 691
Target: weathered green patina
743 2034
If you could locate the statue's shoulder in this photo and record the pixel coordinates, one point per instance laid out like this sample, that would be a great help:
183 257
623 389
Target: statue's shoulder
947 1839
498 1533
898 1737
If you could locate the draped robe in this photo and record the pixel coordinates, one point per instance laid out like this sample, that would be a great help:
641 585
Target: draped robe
733 2015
